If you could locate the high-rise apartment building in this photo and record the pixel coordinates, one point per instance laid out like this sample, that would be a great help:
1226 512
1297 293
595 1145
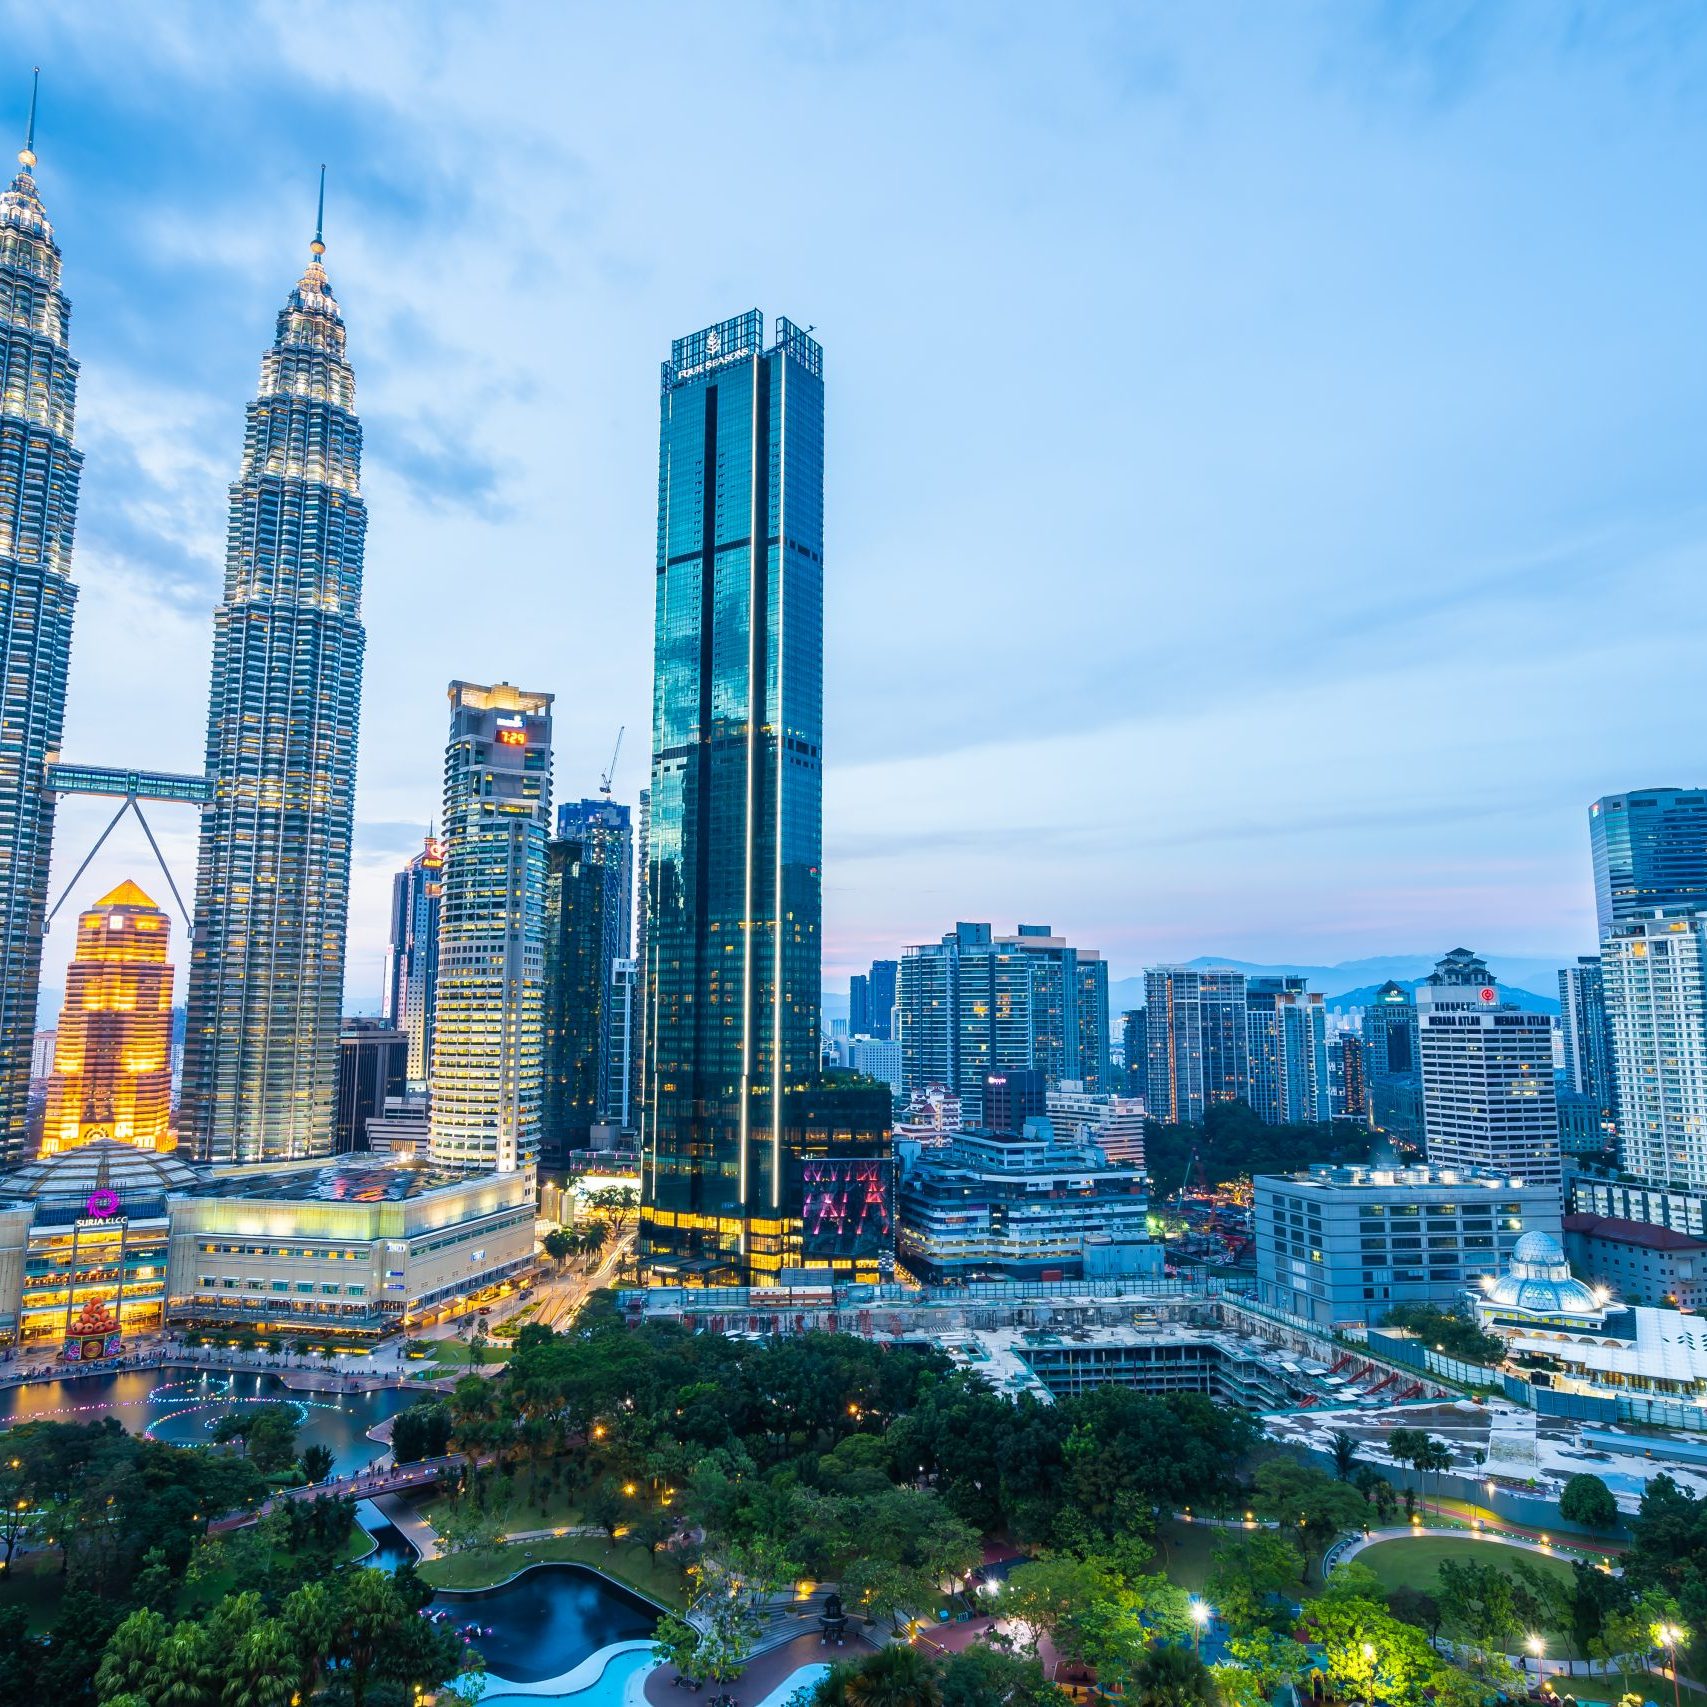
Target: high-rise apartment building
1650 850
1351 1080
1286 1029
40 468
488 1080
734 1118
1135 1043
272 883
1655 978
1489 1104
1226 1039
1173 1013
112 1070
412 961
1587 1034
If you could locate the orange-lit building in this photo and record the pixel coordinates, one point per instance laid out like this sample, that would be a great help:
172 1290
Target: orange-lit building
112 1059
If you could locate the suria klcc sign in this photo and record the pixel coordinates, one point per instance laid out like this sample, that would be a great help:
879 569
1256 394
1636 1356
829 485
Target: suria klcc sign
94 1332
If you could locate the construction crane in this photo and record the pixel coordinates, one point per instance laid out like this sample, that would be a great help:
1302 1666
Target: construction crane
610 769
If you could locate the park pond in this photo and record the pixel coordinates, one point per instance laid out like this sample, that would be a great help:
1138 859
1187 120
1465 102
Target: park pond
541 1624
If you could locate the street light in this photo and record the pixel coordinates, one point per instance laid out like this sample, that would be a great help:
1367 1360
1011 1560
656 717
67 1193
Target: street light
1201 1613
1671 1635
1537 1647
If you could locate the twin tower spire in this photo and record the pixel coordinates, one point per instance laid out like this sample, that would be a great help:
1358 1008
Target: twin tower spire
272 883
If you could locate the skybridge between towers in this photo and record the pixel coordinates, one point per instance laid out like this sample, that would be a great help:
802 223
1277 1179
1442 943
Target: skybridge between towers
130 788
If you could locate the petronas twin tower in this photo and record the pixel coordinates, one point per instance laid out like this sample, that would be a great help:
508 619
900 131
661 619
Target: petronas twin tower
272 883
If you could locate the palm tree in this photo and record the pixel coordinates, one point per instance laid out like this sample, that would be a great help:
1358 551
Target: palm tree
1345 1455
895 1676
1173 1677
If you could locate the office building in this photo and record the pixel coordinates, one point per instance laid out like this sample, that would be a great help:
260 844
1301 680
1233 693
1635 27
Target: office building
412 960
1654 971
976 1003
1012 1098
734 1118
1286 1033
578 990
40 469
1584 1130
877 1058
871 1000
1487 1077
488 1082
1641 1263
373 1059
266 985
41 1055
1393 1059
604 831
1115 1124
622 1038
1343 1245
1035 1206
112 1072
1650 850
1587 1034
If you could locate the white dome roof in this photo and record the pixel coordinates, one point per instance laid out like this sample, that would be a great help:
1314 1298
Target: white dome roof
103 1164
1538 1279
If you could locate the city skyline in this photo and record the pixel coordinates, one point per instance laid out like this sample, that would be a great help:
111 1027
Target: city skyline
1385 848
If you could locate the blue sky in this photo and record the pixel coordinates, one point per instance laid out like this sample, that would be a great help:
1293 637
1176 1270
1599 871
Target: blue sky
1265 442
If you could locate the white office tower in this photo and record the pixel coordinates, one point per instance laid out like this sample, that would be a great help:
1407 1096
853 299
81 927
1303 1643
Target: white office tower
1655 976
489 1030
1487 1077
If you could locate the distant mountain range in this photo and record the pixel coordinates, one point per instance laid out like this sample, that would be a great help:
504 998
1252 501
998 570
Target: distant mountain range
1528 982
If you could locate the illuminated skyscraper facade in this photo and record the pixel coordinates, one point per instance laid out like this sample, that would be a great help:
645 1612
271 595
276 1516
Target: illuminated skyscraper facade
39 473
272 882
733 951
112 1058
603 830
412 961
488 1080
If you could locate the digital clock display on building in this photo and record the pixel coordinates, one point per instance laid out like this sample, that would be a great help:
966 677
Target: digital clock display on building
512 738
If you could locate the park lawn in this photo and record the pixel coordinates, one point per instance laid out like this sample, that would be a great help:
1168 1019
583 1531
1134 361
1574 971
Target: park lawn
626 1562
1183 1551
457 1354
1414 1562
526 1500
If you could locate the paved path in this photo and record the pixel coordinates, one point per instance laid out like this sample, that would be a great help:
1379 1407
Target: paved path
763 1674
367 1485
406 1518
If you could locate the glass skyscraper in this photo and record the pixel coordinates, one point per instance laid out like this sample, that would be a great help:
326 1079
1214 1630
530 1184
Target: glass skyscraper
733 845
1650 850
412 962
603 830
266 981
489 1020
39 473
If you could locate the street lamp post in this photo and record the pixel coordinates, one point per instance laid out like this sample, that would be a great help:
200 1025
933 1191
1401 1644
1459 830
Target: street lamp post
1671 1635
1200 1616
1537 1647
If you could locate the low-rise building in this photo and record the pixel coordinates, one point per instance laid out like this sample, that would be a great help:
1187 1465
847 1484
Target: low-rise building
1115 1124
988 1205
106 1241
1343 1245
1643 1263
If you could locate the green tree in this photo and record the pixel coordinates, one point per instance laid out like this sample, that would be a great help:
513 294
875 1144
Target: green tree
983 1676
1345 1454
559 1244
897 1675
1173 1677
1252 1577
1369 1655
1587 1500
1270 1658
1307 1503
317 1462
676 1642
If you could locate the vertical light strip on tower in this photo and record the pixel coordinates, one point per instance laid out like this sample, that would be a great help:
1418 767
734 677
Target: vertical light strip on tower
39 472
272 883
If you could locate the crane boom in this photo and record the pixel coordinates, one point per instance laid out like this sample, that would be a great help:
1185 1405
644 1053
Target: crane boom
610 769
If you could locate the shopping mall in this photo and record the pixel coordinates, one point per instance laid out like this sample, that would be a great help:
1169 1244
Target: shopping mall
107 1240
